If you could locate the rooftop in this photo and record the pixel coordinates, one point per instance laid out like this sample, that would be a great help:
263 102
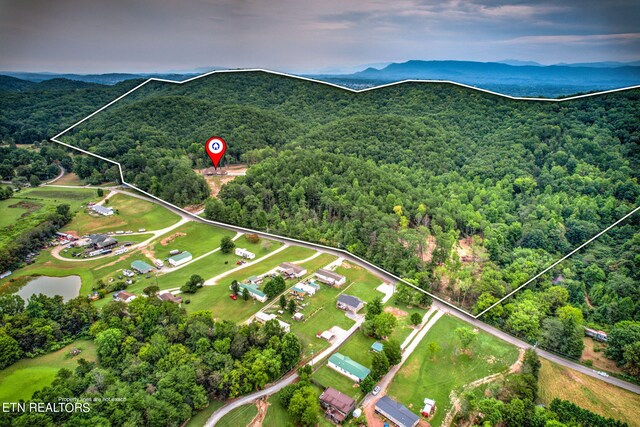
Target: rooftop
252 289
141 266
349 365
349 300
289 265
181 256
397 411
377 346
330 274
338 400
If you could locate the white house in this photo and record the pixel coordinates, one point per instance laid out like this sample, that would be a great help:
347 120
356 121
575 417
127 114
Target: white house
124 296
330 278
180 259
245 253
310 290
263 317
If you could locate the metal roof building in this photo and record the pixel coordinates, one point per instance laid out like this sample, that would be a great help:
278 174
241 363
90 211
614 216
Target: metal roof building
396 412
348 367
141 267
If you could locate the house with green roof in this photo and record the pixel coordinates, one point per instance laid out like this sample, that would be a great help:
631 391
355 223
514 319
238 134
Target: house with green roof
253 290
141 267
181 258
348 367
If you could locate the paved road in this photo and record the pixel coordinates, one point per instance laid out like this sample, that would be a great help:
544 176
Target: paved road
443 305
288 379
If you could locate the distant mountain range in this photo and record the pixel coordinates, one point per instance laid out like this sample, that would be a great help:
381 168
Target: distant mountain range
513 77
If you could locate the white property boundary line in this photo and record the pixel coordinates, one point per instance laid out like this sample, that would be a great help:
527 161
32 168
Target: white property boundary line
329 248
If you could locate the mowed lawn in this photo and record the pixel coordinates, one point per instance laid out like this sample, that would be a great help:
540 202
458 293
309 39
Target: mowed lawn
194 237
277 415
239 417
331 378
587 392
199 419
12 210
75 197
133 214
216 299
367 282
422 377
33 374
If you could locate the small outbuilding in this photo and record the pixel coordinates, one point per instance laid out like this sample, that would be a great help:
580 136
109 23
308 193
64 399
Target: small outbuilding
429 407
377 347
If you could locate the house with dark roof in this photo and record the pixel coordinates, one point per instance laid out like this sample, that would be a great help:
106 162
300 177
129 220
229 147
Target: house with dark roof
348 367
330 278
349 303
168 296
396 412
124 296
101 241
291 270
337 406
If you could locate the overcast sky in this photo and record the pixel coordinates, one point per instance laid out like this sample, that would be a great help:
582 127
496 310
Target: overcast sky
89 36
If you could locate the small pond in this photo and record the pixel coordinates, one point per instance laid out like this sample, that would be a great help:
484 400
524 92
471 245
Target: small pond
68 287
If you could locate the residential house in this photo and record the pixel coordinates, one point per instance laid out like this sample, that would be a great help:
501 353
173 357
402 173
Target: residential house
262 317
179 259
298 317
396 412
101 241
330 278
297 291
254 292
349 303
168 296
245 253
291 270
124 296
337 406
310 290
348 367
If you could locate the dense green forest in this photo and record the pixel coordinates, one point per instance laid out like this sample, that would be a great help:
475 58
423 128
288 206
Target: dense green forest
401 176
164 364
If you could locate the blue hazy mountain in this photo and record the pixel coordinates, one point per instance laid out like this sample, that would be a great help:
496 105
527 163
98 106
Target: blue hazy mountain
518 80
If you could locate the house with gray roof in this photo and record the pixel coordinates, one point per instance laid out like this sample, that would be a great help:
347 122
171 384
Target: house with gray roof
396 412
349 303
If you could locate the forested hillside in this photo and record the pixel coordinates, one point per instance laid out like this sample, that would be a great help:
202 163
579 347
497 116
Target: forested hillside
465 193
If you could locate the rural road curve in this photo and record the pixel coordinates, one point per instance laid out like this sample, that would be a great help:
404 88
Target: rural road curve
285 381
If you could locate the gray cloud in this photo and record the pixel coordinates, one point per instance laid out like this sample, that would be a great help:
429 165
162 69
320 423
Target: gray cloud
299 35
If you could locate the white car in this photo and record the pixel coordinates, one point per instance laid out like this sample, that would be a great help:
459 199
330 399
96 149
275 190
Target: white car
602 374
376 390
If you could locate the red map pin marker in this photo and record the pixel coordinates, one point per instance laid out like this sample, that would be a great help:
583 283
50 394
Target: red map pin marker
215 148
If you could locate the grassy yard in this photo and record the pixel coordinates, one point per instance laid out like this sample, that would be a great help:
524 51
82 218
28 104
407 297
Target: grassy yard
318 262
239 417
590 393
277 414
216 298
330 378
194 237
367 281
75 197
422 377
34 374
12 210
133 214
201 417
69 178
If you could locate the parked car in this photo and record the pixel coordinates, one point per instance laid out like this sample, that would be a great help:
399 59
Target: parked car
603 374
233 296
376 390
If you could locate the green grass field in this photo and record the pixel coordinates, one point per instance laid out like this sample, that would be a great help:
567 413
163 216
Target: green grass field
193 237
216 298
277 415
422 377
330 378
239 417
34 374
75 197
12 210
587 392
367 282
201 417
133 214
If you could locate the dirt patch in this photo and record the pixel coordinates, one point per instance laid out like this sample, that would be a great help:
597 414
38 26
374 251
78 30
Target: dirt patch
597 357
396 311
215 182
262 405
27 206
194 208
428 248
167 240
346 265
